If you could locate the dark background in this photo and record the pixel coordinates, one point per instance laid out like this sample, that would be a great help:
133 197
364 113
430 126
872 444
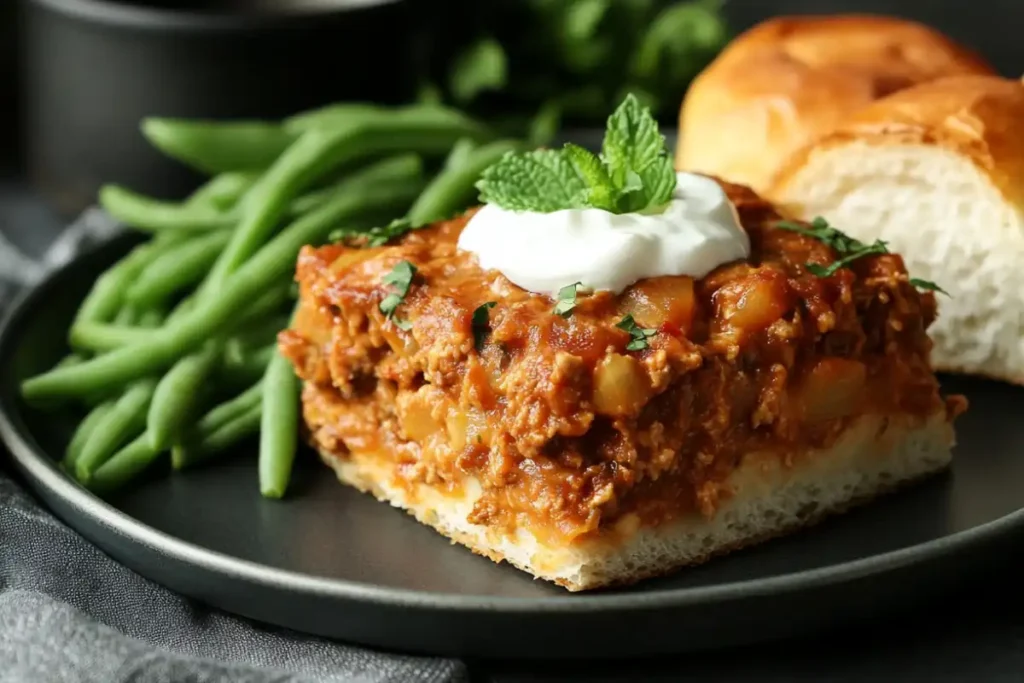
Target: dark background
989 26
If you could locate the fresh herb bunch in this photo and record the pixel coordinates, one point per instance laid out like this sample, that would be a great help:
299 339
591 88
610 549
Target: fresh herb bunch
633 174
573 60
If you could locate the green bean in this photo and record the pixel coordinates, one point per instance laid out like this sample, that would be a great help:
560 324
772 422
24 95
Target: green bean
279 427
153 215
70 359
194 452
241 368
223 191
124 466
107 294
83 432
311 200
317 152
279 424
211 208
260 331
455 188
217 419
123 421
175 394
403 166
333 116
346 115
460 151
103 337
177 269
128 316
229 410
216 146
274 262
234 352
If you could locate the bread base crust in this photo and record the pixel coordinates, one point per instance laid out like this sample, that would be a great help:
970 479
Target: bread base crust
767 499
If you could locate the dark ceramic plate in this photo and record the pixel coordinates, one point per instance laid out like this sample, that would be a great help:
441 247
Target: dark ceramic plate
335 562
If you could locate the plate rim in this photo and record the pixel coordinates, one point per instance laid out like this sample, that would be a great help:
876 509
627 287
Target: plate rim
41 470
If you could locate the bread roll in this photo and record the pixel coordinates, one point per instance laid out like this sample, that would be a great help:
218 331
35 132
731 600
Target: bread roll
937 171
790 79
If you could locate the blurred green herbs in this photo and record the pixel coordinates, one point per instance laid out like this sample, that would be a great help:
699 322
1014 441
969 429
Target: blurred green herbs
537 64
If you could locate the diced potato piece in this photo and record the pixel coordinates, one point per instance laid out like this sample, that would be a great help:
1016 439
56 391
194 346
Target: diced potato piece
621 386
416 419
315 323
753 303
659 300
833 388
465 427
402 344
351 257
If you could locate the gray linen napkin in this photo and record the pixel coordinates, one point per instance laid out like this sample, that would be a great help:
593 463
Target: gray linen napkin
70 614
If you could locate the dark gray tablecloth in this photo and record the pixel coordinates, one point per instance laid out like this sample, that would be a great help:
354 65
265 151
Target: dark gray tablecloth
70 614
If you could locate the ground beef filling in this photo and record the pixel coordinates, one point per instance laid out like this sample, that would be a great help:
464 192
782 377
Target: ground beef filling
565 430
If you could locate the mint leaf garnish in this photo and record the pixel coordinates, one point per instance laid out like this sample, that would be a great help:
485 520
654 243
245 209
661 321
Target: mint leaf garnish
566 300
634 172
601 192
638 335
634 144
400 278
481 324
542 180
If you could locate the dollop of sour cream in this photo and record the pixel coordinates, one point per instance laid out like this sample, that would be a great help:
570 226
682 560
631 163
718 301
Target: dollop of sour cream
698 231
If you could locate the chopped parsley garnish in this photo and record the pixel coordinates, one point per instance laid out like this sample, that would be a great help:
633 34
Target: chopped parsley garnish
849 249
633 173
379 236
481 324
638 335
877 247
567 299
376 236
927 285
400 278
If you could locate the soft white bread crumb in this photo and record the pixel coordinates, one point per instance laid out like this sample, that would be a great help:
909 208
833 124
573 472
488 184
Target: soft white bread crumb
938 172
768 499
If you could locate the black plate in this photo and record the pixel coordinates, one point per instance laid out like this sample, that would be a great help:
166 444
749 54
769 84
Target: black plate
335 562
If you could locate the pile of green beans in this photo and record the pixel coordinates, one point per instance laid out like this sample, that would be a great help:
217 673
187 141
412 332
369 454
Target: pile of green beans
173 351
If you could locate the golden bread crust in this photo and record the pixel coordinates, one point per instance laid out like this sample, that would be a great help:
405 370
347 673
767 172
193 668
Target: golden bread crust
790 79
977 117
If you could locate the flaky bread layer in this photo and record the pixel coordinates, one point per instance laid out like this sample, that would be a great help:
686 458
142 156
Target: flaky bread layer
768 499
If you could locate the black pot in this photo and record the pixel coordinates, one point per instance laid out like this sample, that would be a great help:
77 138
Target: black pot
95 68
8 88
